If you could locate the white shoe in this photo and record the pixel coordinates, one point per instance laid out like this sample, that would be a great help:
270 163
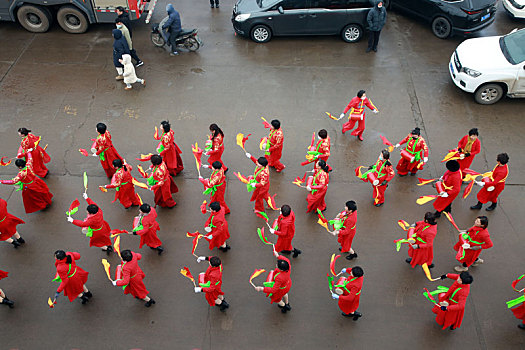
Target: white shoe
479 261
460 268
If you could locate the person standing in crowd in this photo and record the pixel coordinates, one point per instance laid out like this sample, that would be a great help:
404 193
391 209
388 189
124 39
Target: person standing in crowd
174 26
8 223
421 251
215 146
212 283
216 185
280 284
72 278
345 230
274 146
30 143
122 182
322 146
132 277
169 150
416 149
161 183
284 228
130 77
383 172
451 180
146 226
3 298
348 291
103 149
471 243
120 47
127 35
124 18
451 308
261 186
357 114
468 147
216 228
493 185
376 20
317 185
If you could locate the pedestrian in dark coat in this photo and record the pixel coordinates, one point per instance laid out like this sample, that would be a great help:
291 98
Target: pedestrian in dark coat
124 17
175 27
376 20
120 47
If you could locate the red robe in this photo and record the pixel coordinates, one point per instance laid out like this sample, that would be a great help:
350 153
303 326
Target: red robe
282 284
477 237
170 152
347 232
322 146
100 228
285 232
216 151
219 229
319 187
122 181
216 181
386 173
162 185
8 222
260 193
39 155
72 277
214 276
519 312
456 308
417 148
106 153
148 232
475 149
349 300
35 193
452 183
358 108
496 180
275 149
424 235
132 276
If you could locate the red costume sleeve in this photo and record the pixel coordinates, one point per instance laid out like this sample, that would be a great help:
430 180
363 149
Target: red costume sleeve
461 298
75 255
280 281
389 173
369 104
486 238
452 276
126 274
348 224
403 141
86 223
62 272
463 142
425 147
147 222
214 282
253 159
476 147
90 201
498 175
117 181
284 228
353 103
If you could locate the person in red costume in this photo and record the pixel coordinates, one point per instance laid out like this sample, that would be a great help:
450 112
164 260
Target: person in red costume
274 146
212 283
215 146
132 277
35 193
216 185
122 181
261 186
322 146
384 172
94 226
72 278
416 147
168 149
216 228
8 223
280 284
103 149
357 114
449 312
348 291
146 226
422 250
493 185
3 298
30 144
284 228
519 311
451 180
468 147
471 243
161 183
317 185
345 229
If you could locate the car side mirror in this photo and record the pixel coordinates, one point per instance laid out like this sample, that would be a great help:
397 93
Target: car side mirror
280 9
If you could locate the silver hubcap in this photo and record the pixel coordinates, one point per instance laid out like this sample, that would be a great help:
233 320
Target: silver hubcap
352 34
489 94
260 34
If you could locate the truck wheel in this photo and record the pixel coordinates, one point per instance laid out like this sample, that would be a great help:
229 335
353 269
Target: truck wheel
488 94
35 19
72 20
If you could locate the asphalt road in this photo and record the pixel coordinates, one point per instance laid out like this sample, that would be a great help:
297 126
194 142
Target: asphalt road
60 85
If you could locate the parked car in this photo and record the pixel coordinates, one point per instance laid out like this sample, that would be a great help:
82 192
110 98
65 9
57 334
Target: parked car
449 17
490 67
515 8
263 19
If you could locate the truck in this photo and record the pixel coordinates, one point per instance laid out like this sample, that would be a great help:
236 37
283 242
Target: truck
73 16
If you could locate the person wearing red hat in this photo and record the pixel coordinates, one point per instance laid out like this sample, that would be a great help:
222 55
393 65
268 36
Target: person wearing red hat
348 292
212 283
357 114
493 185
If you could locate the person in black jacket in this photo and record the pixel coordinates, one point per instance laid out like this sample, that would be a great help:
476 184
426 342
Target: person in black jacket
124 17
175 27
120 47
376 20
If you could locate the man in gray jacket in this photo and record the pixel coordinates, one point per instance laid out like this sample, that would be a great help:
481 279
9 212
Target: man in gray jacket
127 35
376 20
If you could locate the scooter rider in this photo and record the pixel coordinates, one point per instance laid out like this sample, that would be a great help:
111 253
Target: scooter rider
175 27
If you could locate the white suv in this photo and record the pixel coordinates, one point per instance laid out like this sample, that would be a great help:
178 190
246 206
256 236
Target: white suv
490 67
515 8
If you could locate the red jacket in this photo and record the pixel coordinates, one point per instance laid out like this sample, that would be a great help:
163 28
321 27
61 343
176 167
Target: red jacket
476 237
132 276
347 232
457 298
349 300
475 149
323 147
148 233
262 176
452 182
357 106
496 180
72 276
8 222
100 228
219 228
213 275
414 147
285 232
282 283
424 235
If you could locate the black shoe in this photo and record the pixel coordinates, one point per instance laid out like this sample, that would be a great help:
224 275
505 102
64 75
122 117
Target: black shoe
160 250
408 260
211 5
347 315
15 243
492 207
356 315
351 256
139 63
378 204
109 250
375 49
285 251
224 305
412 174
451 328
88 294
340 249
84 298
149 303
225 249
296 253
217 5
521 326
21 240
402 175
477 206
8 302
431 266
286 308
368 49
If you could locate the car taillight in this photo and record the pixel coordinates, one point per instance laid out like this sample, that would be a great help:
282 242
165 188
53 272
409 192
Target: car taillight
471 12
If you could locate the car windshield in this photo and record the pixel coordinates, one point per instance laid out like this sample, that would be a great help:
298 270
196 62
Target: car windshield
513 46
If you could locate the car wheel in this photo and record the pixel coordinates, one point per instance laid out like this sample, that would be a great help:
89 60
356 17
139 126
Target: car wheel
35 19
488 94
72 20
352 33
261 34
441 27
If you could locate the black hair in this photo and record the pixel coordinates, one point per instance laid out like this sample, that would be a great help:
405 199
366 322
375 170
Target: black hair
430 218
503 158
24 131
452 165
276 124
145 208
360 93
156 159
322 165
351 205
416 131
101 128
484 221
357 271
214 128
286 210
118 20
466 278
60 254
166 126
117 163
216 165
386 154
283 265
323 133
20 163
262 161
215 261
473 131
215 206
92 209
120 8
126 255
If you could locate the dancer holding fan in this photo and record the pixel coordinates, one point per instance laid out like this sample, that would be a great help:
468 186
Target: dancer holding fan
72 278
168 149
278 284
30 144
210 282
